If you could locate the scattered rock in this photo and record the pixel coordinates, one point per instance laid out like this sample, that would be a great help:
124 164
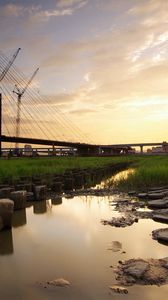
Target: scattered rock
118 289
132 193
60 282
137 269
154 196
115 246
160 218
144 272
142 195
121 221
162 203
161 235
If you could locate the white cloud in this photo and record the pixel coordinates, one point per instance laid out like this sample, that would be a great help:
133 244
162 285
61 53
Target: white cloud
68 3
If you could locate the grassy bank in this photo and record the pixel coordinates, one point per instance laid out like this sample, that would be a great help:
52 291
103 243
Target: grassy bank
15 168
148 172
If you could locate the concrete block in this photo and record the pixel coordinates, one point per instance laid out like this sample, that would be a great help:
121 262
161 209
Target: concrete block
6 212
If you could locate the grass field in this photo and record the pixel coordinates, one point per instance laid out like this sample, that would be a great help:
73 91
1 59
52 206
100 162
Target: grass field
149 170
15 168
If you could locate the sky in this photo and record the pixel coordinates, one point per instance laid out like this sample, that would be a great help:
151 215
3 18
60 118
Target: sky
103 62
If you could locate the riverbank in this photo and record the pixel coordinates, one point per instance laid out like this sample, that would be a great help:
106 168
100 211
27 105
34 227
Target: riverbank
14 169
149 171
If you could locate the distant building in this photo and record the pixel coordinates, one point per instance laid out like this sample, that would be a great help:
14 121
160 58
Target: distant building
159 149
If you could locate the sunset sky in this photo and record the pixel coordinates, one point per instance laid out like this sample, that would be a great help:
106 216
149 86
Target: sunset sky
103 62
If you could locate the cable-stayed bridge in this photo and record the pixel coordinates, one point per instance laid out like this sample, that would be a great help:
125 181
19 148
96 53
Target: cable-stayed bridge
29 118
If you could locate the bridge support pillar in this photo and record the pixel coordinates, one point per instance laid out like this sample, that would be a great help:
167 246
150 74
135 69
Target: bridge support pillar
0 123
88 150
141 149
54 152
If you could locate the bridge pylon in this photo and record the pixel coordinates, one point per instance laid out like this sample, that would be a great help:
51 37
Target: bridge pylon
0 122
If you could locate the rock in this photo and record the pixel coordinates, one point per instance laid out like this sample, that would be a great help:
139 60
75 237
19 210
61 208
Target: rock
5 192
160 218
144 272
118 289
121 221
154 196
40 192
132 193
30 196
19 199
142 195
162 203
6 212
160 235
60 282
115 246
137 268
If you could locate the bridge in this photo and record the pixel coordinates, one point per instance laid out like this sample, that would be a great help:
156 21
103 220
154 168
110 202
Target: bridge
26 117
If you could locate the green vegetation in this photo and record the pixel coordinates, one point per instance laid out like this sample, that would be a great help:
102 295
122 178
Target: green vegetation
149 171
15 168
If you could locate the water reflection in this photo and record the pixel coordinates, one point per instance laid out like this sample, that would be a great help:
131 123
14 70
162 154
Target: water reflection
56 200
69 241
6 242
19 218
122 175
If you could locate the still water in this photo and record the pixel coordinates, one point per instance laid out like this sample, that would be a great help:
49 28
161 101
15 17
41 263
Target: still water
53 239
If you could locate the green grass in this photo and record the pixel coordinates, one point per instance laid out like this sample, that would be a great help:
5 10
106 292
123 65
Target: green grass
15 168
149 170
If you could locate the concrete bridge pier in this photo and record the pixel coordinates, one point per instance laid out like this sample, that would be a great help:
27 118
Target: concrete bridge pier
85 150
141 149
0 122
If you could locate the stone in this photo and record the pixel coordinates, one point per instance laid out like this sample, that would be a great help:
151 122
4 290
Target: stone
57 186
132 193
137 268
19 199
160 235
121 221
30 196
118 289
160 218
154 196
115 246
144 272
40 192
161 203
5 192
142 195
6 212
60 282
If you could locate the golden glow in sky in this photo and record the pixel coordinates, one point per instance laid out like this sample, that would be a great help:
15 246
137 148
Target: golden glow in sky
103 62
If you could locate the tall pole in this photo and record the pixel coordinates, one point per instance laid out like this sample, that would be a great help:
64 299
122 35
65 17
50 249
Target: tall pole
0 122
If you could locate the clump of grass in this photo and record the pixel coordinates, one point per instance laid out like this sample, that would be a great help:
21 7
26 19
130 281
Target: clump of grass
149 172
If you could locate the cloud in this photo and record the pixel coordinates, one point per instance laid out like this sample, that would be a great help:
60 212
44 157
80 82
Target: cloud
10 10
69 3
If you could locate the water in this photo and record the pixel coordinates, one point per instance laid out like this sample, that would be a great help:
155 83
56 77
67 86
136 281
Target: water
122 175
49 241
